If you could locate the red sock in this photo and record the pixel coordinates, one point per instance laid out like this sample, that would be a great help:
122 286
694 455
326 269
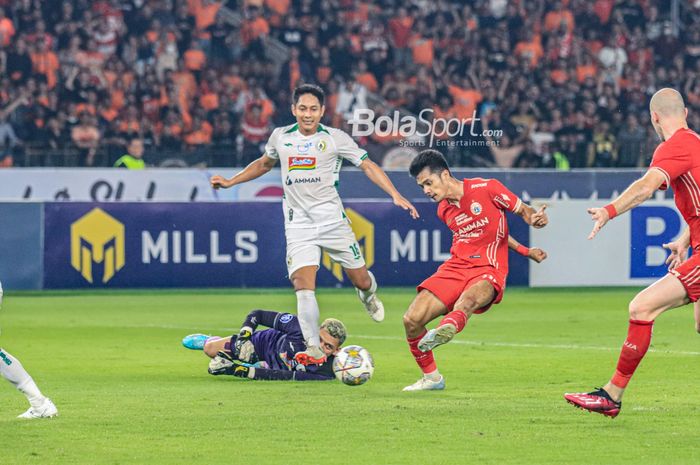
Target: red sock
425 360
633 350
457 318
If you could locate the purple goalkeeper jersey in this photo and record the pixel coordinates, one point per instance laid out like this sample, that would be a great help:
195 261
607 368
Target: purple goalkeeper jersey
278 345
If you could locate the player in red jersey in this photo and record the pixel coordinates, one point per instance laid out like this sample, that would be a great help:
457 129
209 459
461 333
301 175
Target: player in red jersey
676 164
474 277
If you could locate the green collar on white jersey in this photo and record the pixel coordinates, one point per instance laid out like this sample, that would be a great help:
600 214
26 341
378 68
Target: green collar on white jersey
296 128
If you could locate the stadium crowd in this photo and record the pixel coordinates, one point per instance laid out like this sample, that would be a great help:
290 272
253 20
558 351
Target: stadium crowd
562 83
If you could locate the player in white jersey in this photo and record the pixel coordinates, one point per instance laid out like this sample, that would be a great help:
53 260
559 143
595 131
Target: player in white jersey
311 155
13 371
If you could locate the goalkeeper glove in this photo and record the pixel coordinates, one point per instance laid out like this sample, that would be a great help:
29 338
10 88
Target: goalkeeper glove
224 364
243 348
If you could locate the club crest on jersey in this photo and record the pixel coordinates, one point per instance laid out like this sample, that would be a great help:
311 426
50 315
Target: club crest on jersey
302 163
286 318
321 146
303 148
475 208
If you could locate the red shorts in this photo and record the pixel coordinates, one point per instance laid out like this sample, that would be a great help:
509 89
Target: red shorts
452 278
689 275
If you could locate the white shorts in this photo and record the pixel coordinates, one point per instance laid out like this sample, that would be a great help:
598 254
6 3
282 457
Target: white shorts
304 246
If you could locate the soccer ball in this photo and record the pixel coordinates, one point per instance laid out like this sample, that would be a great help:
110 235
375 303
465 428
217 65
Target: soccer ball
353 365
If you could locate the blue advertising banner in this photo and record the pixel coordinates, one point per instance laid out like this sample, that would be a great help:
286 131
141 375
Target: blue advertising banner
20 245
233 245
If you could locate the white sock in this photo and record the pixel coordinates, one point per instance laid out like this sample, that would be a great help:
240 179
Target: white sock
372 288
308 314
13 371
433 375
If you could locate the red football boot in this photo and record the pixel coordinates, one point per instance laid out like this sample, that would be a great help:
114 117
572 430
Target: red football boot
598 401
313 355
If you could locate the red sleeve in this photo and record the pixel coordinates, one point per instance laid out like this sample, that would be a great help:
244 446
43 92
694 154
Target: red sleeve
441 211
672 160
502 197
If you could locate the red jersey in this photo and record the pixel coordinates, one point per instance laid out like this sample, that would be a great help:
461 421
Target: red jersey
678 159
478 223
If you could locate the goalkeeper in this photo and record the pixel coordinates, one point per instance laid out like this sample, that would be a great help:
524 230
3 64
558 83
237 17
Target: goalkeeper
269 354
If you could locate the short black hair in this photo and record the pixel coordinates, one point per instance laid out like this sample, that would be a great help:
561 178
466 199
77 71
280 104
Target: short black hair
431 159
312 89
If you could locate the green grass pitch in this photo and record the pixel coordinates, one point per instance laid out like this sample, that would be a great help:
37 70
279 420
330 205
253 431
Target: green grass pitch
129 393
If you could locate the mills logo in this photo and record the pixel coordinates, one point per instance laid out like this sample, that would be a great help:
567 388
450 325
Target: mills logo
97 238
302 163
364 232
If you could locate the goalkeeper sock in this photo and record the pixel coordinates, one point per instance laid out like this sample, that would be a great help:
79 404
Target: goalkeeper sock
13 371
364 294
308 314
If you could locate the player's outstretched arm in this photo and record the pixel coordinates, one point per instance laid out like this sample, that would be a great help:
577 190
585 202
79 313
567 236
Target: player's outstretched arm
379 177
254 170
679 250
535 218
639 191
533 253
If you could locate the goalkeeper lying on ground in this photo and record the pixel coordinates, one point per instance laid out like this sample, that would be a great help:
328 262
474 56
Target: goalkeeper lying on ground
269 354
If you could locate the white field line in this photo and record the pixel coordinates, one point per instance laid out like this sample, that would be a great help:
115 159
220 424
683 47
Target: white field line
528 345
523 345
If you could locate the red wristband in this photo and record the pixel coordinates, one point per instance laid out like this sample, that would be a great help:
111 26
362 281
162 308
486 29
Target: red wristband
522 250
612 212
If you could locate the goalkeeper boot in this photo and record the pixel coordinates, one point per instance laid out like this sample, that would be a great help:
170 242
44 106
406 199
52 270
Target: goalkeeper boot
598 401
313 355
195 341
373 305
426 384
46 410
437 337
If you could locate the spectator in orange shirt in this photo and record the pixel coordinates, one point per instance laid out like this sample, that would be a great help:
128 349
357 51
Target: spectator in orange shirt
558 16
254 28
279 7
466 97
365 77
195 59
86 137
586 68
400 33
45 62
200 134
530 48
422 46
7 29
204 16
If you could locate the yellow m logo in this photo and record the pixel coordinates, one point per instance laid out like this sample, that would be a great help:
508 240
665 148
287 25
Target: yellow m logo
364 232
97 237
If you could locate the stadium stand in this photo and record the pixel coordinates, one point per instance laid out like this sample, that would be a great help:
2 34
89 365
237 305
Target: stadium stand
201 82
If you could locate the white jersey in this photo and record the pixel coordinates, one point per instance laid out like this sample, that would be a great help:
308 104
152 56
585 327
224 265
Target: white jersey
310 167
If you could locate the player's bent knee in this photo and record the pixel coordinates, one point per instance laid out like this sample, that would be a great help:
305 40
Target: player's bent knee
640 310
210 349
409 322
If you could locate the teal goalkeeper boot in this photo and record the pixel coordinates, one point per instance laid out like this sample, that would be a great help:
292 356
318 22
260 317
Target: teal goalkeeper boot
195 341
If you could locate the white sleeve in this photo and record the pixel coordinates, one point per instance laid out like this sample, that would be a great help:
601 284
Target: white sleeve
271 146
348 148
